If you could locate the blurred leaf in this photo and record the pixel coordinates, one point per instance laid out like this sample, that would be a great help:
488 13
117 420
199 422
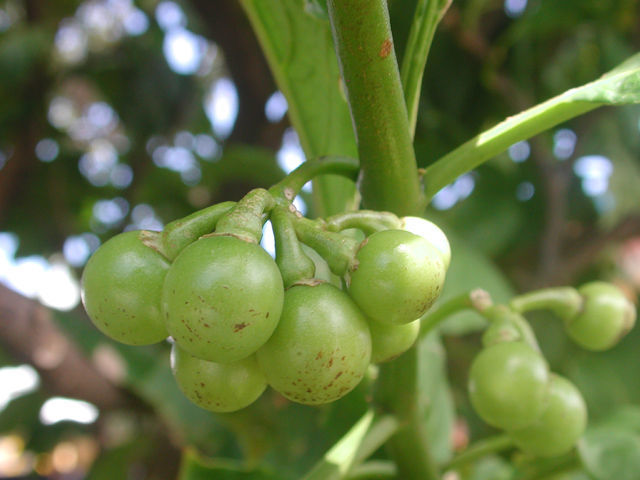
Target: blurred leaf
338 460
606 379
301 55
117 462
489 468
618 87
435 396
609 453
611 449
194 467
626 417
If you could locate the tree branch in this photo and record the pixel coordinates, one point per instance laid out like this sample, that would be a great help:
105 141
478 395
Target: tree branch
29 334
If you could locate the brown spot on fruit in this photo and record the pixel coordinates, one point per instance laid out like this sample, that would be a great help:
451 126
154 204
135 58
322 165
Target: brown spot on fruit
239 326
319 356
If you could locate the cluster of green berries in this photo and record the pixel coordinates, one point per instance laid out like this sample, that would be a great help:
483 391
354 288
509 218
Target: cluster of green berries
510 384
308 323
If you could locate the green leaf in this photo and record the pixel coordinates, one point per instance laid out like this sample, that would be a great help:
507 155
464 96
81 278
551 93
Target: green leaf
435 396
425 20
626 417
337 461
620 86
490 468
194 467
608 453
300 53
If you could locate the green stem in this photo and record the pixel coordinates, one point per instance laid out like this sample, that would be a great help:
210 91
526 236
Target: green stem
481 449
396 392
362 35
477 300
290 186
565 302
425 20
369 221
499 138
180 233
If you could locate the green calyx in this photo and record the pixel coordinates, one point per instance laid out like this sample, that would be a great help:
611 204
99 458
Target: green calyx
180 233
507 326
294 264
246 219
369 221
337 249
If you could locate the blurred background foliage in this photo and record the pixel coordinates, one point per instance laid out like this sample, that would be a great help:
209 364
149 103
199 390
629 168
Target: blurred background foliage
121 114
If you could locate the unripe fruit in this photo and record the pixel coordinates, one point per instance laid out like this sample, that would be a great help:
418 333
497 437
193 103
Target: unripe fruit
396 276
606 316
561 424
390 341
122 287
321 348
222 298
508 385
215 386
430 232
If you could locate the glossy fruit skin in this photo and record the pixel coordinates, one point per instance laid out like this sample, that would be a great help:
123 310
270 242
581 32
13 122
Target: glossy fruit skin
215 386
122 288
321 348
222 298
430 232
561 424
508 385
396 276
606 316
391 341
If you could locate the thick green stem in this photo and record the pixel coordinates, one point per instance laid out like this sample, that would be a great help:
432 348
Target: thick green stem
425 20
362 35
286 189
180 233
565 302
369 221
396 391
481 449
